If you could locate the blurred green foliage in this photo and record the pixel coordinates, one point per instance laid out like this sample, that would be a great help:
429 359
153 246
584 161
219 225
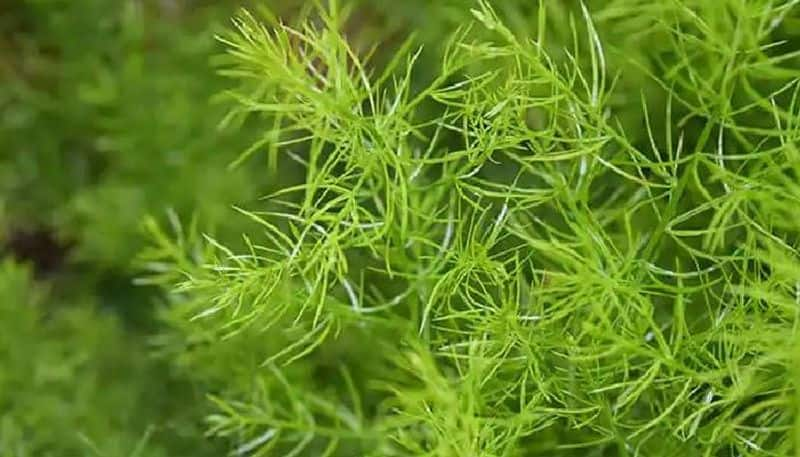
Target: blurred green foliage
107 111
106 116
75 382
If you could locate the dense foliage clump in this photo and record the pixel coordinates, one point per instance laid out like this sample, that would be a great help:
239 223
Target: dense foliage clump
457 228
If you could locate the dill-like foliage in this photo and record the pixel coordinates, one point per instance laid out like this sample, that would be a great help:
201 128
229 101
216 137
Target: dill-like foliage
575 236
486 228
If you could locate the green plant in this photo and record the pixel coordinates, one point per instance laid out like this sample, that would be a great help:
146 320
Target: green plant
511 257
548 228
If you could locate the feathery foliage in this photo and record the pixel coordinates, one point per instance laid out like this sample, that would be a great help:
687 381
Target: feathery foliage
488 228
559 242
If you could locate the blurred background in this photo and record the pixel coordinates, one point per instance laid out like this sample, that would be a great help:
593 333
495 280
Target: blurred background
106 116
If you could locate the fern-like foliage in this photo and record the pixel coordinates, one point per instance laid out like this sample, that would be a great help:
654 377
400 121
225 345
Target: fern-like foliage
577 236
